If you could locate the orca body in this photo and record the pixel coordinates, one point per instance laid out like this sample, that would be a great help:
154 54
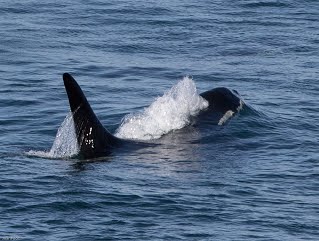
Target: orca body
95 141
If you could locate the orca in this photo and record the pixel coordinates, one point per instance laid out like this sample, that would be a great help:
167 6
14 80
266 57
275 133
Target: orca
95 141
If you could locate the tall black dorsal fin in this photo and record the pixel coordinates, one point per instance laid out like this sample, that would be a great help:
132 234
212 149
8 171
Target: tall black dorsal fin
93 139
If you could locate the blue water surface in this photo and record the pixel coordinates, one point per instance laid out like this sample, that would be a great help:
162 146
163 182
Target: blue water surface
255 178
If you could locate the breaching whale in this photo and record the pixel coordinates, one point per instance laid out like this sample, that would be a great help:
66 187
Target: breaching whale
95 141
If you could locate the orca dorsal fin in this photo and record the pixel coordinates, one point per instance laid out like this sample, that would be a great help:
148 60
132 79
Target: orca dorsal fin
93 139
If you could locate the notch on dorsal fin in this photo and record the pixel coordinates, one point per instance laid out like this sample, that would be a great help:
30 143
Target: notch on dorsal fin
93 139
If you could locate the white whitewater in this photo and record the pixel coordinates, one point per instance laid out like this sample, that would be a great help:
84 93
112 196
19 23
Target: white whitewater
65 143
169 112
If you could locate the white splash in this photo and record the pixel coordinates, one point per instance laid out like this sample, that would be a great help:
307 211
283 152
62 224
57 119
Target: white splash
65 143
169 112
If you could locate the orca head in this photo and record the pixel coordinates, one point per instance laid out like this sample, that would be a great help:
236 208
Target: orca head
223 103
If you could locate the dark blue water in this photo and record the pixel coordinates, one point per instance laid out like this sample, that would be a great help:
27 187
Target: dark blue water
255 178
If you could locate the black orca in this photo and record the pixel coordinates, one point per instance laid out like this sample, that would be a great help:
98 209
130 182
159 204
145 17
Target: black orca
95 141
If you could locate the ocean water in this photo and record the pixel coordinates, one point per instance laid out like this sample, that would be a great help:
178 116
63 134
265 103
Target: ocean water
254 178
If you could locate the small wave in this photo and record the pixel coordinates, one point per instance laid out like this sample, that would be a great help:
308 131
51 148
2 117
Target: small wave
65 143
169 112
258 4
